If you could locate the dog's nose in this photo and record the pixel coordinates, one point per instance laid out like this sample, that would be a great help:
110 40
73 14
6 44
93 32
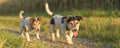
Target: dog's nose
38 30
74 30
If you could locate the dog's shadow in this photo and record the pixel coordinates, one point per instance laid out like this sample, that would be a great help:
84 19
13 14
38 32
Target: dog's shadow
13 31
49 39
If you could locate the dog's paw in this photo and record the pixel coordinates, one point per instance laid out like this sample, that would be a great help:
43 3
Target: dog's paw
27 41
38 38
53 39
70 43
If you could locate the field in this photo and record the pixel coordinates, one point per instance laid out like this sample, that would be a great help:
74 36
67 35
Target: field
95 32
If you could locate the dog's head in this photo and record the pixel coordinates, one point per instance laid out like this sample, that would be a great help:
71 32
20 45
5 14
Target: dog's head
35 22
73 23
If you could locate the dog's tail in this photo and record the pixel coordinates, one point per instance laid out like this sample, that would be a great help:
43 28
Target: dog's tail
48 10
21 14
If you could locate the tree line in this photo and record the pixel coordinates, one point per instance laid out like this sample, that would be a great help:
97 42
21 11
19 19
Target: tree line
10 6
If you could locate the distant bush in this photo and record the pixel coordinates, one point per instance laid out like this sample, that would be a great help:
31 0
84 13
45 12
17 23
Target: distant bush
13 6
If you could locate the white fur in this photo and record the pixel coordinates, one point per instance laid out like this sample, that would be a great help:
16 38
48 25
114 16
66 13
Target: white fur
20 14
48 10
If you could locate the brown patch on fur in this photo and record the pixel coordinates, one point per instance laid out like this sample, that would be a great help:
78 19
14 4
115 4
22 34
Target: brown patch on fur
35 22
39 19
73 23
32 20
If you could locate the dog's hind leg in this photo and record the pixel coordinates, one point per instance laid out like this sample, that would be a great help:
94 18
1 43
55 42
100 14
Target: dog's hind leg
22 30
52 32
23 34
53 36
58 33
27 33
27 36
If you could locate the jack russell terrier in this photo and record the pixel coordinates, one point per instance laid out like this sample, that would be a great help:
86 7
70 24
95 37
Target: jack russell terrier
68 25
29 24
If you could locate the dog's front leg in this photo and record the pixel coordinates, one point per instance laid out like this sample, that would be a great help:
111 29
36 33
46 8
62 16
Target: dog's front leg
69 38
37 34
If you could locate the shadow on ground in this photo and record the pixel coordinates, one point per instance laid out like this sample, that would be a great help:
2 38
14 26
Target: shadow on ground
13 31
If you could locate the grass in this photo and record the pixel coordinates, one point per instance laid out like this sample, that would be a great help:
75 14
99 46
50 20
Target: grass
102 30
14 41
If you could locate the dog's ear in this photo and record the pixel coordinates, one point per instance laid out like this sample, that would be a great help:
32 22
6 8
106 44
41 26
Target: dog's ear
39 19
79 18
65 18
31 20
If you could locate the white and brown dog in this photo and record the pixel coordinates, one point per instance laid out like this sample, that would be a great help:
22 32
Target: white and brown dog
29 24
68 25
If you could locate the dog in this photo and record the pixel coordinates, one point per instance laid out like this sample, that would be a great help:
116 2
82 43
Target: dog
29 24
68 25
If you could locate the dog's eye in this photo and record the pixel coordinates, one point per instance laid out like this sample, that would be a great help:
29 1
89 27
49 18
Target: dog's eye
39 23
71 23
77 22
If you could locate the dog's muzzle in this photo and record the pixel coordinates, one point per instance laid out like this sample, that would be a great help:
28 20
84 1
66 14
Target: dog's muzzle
75 32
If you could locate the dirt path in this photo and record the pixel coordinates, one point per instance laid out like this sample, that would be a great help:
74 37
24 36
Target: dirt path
78 42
